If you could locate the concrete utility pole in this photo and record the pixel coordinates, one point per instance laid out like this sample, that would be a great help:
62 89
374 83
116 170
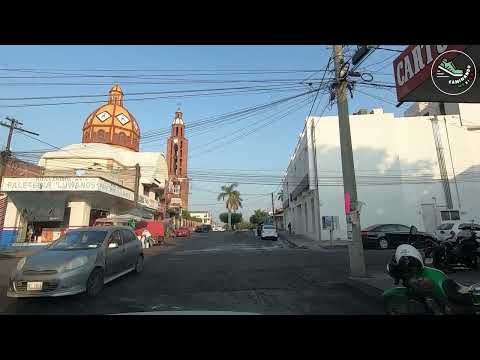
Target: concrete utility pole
357 260
273 213
13 125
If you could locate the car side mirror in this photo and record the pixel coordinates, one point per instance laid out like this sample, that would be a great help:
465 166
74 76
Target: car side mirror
413 230
112 245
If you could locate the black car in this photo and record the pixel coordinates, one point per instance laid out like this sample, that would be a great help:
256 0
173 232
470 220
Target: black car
387 236
203 228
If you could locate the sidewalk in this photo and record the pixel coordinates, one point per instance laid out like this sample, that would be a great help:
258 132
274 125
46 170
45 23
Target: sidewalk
302 242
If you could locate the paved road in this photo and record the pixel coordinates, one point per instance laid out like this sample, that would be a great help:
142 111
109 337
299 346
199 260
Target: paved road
221 272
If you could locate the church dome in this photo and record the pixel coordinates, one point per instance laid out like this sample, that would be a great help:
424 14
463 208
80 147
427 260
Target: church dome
112 124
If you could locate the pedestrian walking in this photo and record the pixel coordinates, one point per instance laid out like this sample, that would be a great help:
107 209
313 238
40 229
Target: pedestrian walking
290 228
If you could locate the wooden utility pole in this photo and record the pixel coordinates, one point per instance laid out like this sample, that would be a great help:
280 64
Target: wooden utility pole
5 155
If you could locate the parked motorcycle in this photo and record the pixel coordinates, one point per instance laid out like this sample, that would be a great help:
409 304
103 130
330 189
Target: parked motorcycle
426 290
455 253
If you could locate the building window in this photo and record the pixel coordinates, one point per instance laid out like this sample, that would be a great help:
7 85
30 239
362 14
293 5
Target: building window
176 131
181 132
101 135
146 190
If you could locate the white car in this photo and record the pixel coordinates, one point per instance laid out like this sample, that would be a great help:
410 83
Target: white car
444 230
269 232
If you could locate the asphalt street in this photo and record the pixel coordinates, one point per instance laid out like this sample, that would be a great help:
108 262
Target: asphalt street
219 271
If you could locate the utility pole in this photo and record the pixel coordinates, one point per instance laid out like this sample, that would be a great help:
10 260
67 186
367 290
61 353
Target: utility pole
357 260
5 155
273 213
137 183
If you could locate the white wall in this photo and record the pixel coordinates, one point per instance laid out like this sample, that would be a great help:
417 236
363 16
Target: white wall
393 147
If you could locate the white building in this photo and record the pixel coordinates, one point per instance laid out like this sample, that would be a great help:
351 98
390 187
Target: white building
104 176
399 163
205 216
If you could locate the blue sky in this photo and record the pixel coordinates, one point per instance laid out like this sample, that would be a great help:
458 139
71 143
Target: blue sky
265 150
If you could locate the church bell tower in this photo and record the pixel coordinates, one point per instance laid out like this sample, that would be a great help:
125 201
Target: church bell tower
177 155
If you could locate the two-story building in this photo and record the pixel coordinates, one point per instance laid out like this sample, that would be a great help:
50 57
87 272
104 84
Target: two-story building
419 169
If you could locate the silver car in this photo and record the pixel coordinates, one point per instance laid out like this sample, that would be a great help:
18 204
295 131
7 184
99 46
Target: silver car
82 260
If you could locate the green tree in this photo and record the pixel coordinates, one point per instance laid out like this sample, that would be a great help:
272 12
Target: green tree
258 216
233 218
234 201
281 196
245 225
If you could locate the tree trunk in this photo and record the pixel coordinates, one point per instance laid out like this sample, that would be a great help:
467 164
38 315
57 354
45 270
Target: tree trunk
229 220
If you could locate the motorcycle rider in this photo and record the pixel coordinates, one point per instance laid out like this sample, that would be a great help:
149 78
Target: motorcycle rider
430 286
407 265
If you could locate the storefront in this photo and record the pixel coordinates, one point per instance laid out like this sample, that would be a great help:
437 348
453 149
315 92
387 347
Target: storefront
40 209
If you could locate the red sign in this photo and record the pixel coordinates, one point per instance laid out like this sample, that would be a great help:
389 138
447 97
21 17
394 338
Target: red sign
347 203
412 68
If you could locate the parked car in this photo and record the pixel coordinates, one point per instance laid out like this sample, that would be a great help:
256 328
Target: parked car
203 228
386 236
182 232
81 260
443 231
464 231
269 232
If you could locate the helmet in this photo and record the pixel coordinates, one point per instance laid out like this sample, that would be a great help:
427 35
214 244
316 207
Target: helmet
406 262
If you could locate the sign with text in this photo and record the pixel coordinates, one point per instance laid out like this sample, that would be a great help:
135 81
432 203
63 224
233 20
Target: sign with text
65 184
145 201
438 73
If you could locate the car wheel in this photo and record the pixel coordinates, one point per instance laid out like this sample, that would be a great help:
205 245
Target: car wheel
383 243
139 265
95 282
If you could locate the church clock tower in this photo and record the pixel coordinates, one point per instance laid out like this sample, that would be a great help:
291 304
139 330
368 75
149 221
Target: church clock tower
177 154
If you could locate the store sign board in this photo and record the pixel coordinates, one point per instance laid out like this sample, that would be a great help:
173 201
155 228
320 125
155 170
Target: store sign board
65 184
437 73
145 201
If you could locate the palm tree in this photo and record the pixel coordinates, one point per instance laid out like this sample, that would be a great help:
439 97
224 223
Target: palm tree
280 195
234 201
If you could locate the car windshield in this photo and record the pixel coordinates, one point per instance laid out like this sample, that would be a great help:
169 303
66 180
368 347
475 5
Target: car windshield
446 226
76 240
268 227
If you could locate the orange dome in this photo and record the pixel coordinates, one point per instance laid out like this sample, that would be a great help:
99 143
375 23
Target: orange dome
112 124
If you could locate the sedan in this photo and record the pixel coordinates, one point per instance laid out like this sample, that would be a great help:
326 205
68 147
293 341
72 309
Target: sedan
385 236
182 232
269 232
79 261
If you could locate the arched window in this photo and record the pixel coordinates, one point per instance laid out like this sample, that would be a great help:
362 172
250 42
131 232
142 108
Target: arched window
122 138
101 135
176 131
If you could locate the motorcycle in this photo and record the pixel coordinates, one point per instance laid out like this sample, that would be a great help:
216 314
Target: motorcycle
426 290
455 253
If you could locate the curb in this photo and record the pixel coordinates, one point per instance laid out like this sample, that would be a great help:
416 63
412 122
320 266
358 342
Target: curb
291 243
366 289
